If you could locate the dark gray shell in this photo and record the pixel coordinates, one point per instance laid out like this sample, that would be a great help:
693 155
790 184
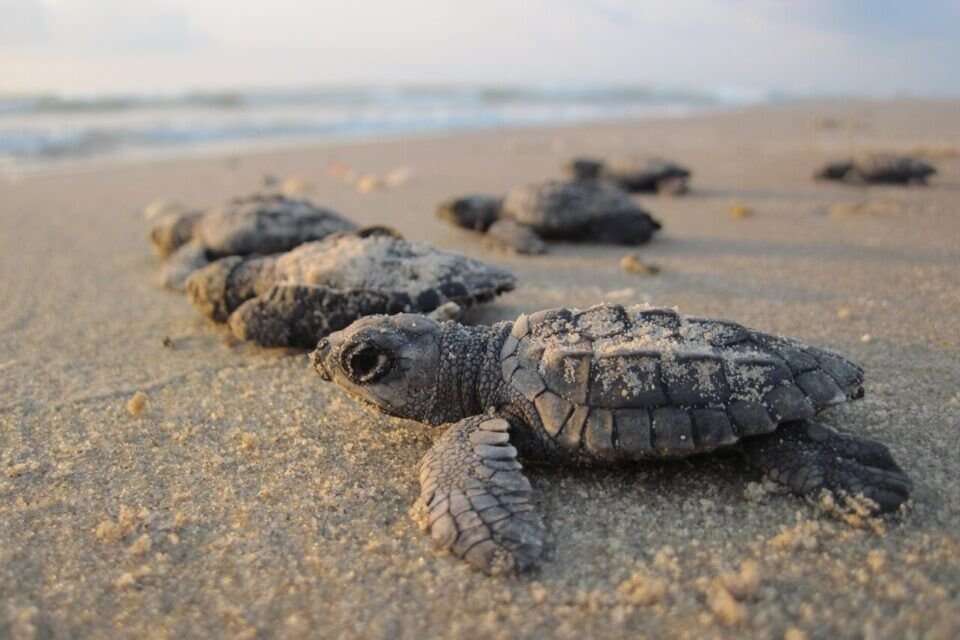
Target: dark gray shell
265 223
632 173
634 382
878 168
563 209
416 275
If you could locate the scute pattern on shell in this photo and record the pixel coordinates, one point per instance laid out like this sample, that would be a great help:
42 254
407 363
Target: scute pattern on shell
428 277
265 223
295 298
558 208
613 382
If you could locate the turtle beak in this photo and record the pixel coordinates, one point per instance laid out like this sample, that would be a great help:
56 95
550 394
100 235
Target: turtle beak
319 355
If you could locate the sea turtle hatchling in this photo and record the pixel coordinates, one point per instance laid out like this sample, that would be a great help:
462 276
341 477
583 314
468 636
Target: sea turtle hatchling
297 297
590 211
258 224
878 169
608 384
633 174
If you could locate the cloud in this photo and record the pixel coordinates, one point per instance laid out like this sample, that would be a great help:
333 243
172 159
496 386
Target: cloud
816 45
22 22
892 19
82 26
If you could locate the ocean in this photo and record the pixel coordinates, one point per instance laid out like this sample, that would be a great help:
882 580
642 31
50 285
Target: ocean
45 130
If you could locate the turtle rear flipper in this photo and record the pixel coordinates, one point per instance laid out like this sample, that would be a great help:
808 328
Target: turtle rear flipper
475 500
290 315
834 171
508 234
181 264
219 288
809 457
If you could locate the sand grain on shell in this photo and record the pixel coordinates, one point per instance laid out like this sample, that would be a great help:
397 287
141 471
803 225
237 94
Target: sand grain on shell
381 263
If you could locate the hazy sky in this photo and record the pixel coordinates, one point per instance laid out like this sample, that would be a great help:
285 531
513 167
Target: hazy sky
869 46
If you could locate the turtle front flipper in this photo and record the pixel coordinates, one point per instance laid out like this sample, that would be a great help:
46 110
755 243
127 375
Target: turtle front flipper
475 500
180 264
809 457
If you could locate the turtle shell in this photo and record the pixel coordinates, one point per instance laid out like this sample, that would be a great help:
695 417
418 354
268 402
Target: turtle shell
557 209
636 174
617 382
418 276
891 168
265 223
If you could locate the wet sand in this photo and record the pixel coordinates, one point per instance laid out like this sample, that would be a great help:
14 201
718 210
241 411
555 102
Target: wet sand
249 500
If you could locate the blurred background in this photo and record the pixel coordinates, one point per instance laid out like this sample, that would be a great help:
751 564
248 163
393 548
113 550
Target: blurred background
95 78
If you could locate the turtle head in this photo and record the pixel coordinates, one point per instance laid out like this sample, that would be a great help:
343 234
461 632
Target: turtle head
475 212
172 230
391 362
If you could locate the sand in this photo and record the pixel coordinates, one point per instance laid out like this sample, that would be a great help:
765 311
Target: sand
158 479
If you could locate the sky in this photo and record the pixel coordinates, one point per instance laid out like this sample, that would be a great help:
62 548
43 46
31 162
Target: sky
868 47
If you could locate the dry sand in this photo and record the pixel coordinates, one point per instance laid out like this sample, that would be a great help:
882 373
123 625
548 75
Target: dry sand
240 497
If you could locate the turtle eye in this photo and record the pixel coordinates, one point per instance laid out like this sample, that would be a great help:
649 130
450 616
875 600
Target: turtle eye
366 363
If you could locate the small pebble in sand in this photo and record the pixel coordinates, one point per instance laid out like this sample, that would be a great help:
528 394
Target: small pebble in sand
631 263
368 183
167 342
804 535
249 441
398 177
876 560
744 583
131 578
341 171
137 404
739 211
22 468
642 590
113 531
537 593
724 606
294 187
865 207
794 634
866 337
140 546
844 313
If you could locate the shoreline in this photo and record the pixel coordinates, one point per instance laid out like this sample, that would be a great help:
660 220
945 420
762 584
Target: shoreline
250 148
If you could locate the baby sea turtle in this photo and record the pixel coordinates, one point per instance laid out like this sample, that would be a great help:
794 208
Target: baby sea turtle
296 298
878 169
585 210
636 175
261 223
605 385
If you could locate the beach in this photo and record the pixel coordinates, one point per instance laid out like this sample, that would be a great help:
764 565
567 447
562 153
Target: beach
248 499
